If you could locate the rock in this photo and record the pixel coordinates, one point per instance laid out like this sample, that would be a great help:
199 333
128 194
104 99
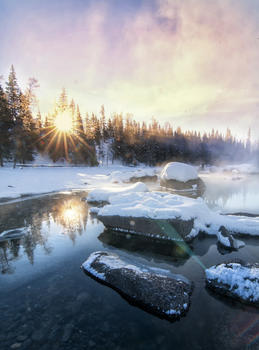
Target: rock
181 177
169 229
226 240
146 178
190 185
16 346
165 295
236 280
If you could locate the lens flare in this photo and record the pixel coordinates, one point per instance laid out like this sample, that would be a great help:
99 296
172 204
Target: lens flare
172 233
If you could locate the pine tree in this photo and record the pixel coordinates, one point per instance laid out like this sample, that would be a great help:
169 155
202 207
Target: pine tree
62 101
13 97
6 125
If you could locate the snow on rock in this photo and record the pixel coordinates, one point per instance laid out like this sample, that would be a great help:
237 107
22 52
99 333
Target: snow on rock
179 172
155 290
162 205
236 280
227 240
104 194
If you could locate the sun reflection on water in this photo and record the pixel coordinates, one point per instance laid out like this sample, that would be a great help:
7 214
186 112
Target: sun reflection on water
71 215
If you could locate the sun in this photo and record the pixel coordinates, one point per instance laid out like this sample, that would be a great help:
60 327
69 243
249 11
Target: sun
64 123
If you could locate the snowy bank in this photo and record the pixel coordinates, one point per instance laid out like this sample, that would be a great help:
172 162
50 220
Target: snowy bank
37 180
152 289
236 280
104 194
142 174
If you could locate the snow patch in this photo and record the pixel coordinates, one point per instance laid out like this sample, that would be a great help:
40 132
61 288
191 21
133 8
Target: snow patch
104 194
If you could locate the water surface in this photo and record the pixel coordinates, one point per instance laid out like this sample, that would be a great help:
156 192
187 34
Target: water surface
47 302
232 193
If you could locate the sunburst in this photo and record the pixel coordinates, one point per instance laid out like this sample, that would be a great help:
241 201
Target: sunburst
64 122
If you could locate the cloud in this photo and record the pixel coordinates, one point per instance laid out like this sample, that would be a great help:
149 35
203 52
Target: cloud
181 60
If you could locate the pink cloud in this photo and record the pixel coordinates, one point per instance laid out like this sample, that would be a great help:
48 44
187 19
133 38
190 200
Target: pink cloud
189 60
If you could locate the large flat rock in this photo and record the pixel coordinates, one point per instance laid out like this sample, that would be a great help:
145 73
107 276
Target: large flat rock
165 295
236 280
169 229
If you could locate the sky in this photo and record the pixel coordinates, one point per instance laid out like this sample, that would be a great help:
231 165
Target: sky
194 63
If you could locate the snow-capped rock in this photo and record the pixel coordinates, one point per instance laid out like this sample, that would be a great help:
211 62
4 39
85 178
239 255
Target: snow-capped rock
159 208
236 280
179 172
152 289
227 240
181 176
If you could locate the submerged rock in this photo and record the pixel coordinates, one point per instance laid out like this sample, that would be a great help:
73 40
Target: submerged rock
236 280
226 240
161 294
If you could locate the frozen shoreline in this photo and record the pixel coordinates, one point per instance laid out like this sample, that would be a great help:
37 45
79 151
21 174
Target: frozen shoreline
19 182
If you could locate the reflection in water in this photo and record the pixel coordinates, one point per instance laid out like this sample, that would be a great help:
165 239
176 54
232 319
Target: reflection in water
232 196
152 249
71 215
42 303
66 211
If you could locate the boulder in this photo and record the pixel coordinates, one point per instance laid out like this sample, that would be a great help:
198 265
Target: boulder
169 229
226 240
167 296
181 177
236 280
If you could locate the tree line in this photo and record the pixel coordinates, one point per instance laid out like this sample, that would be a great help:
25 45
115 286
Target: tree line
66 135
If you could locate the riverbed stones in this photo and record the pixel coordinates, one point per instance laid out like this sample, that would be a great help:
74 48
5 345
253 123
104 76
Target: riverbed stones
237 280
167 296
